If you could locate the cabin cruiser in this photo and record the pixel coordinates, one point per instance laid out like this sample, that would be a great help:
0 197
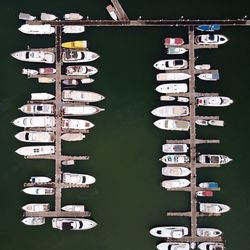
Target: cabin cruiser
167 98
74 208
72 137
36 207
213 101
172 76
72 223
80 110
175 159
47 17
76 124
26 17
35 136
208 185
213 76
35 121
39 190
171 111
171 64
208 232
201 122
211 246
173 246
176 183
205 193
210 39
82 44
76 56
41 96
43 29
47 71
208 27
36 150
169 232
72 16
81 96
71 178
34 221
175 171
39 179
73 29
176 50
182 99
169 124
34 56
46 80
213 159
170 88
81 70
175 148
112 12
213 208
202 67
38 109
176 41
219 123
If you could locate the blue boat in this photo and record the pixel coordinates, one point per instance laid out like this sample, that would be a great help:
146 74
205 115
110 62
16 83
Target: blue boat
209 185
208 27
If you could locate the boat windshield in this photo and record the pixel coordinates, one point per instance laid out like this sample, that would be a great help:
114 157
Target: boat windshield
178 62
27 55
211 37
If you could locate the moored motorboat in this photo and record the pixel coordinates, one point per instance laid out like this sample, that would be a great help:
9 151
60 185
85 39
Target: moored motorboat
74 208
81 96
219 123
170 88
176 183
213 208
72 137
167 98
38 109
73 29
175 148
46 80
36 150
208 185
213 76
75 44
201 122
173 246
26 17
36 207
176 41
171 111
76 124
71 82
202 67
47 71
213 101
39 179
29 72
43 29
41 96
72 16
174 159
169 231
175 171
182 99
213 159
87 80
34 221
35 136
35 121
73 223
170 124
208 232
68 162
171 64
172 76
47 17
39 191
78 110
72 178
176 50
81 70
211 246
205 193
76 56
112 12
208 27
210 39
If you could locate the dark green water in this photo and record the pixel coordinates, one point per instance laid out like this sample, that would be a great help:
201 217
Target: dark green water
124 146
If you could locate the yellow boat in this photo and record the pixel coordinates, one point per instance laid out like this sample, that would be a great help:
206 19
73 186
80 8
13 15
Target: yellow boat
75 45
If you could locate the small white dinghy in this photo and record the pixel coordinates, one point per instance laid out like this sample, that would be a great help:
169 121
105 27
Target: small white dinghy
167 98
74 208
182 99
201 122
39 179
176 232
47 17
175 171
208 232
34 221
172 88
41 96
72 16
175 148
39 191
219 123
73 29
202 67
26 17
176 183
172 76
43 29
173 246
68 162
36 207
73 137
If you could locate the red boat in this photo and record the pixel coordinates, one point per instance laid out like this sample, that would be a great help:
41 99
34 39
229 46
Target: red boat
169 41
47 71
205 193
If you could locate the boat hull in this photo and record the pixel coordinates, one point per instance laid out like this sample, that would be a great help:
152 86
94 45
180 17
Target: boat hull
176 183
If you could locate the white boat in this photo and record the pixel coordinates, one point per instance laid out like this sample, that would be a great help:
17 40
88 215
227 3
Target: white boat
26 17
87 80
213 159
169 124
171 111
171 64
202 67
73 137
112 12
173 246
41 96
43 29
34 56
176 50
36 150
213 208
210 39
39 190
213 76
81 70
174 159
208 185
34 221
80 110
81 96
73 29
201 122
169 232
213 101
38 109
47 71
182 99
76 124
175 171
46 80
167 98
36 207
47 17
35 136
170 88
172 76
35 121
176 183
175 148
72 16
77 56
74 208
208 232
39 179
219 123
73 223
68 162
29 72
72 178
211 246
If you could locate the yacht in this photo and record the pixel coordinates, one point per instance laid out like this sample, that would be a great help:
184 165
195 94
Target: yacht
201 122
47 17
73 29
208 185
210 39
29 72
39 179
72 223
74 208
34 221
26 17
76 56
35 136
208 232
176 183
202 67
169 124
41 96
171 64
169 232
213 101
73 137
211 246
36 150
71 178
171 88
172 76
213 76
205 193
81 96
47 71
39 190
175 171
34 56
81 70
219 123
214 208
38 109
175 148
213 159
43 29
173 246
82 44
35 121
80 110
73 16
36 207
112 12
176 50
171 111
76 124
176 41
208 27
175 159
